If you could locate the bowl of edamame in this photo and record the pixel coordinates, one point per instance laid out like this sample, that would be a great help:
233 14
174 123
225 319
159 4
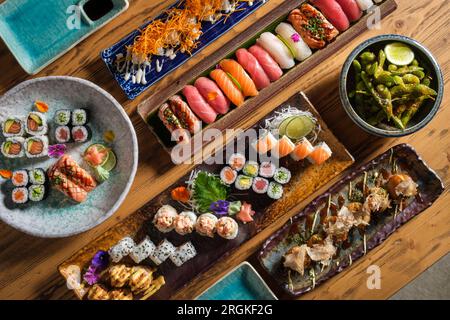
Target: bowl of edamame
391 86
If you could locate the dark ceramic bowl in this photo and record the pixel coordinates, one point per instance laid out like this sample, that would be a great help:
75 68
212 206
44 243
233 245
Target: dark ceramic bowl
426 112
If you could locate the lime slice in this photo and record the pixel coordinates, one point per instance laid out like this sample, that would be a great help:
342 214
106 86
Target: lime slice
287 44
299 127
399 53
111 161
238 85
99 147
283 125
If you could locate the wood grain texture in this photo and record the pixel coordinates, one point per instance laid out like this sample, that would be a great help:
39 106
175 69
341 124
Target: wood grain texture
28 265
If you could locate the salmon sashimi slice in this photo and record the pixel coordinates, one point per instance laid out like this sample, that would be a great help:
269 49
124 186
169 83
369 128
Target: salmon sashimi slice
320 154
237 72
62 183
75 173
302 150
15 149
230 90
284 147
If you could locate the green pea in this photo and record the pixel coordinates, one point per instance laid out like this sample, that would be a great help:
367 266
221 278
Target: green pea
367 57
392 67
415 63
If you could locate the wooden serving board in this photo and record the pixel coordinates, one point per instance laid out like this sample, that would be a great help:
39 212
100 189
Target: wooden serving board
306 178
246 39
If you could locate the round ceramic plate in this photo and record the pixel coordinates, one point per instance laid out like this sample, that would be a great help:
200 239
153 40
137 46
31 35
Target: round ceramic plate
56 215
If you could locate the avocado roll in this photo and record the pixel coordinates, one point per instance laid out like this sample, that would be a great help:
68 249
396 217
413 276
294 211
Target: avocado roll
251 169
13 147
36 124
243 182
13 127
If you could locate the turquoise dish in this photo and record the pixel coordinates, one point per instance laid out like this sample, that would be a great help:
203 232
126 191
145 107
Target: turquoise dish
38 32
241 283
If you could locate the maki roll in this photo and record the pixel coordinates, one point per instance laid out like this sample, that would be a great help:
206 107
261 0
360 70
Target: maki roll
36 192
183 254
13 127
228 175
236 161
13 147
206 225
164 218
184 223
121 249
36 147
36 124
143 250
80 134
275 190
282 175
79 117
62 134
37 176
62 117
243 182
260 185
20 195
19 178
267 169
227 228
251 169
164 250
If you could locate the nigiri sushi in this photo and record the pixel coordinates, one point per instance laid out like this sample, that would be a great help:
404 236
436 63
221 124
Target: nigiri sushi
252 66
173 124
200 107
364 4
228 87
284 147
302 150
265 143
351 9
277 50
212 94
182 111
320 154
294 40
235 70
333 12
270 66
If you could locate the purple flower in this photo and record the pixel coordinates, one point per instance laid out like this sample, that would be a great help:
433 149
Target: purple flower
220 207
100 260
91 276
56 150
295 37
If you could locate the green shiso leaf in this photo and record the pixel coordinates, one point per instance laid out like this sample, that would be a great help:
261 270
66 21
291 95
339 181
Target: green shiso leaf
207 189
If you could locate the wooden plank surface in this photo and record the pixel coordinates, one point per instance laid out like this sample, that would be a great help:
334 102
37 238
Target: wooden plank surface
28 265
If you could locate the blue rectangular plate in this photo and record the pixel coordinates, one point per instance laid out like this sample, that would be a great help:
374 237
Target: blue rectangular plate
211 32
242 283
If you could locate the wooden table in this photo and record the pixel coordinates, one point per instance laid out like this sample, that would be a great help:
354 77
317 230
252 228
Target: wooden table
28 264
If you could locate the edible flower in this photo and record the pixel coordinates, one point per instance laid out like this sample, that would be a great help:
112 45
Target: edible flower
295 37
41 106
181 194
220 207
246 213
56 150
109 136
234 207
6 174
91 276
100 260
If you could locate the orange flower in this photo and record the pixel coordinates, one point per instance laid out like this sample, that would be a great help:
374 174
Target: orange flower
41 106
6 174
181 194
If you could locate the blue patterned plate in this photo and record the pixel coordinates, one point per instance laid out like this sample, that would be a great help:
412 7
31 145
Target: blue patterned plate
210 33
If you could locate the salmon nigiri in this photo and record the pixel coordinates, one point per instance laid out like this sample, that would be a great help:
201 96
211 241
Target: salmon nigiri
284 147
302 150
320 154
265 143
228 87
236 71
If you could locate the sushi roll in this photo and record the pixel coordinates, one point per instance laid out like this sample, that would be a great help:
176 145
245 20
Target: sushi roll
79 117
36 147
62 134
277 49
275 190
184 223
243 182
164 218
80 134
294 41
260 185
13 127
37 176
13 147
20 195
267 169
251 169
284 147
62 117
36 192
227 228
236 161
164 250
143 250
320 154
206 225
183 254
265 143
20 178
282 175
302 150
228 175
36 124
121 249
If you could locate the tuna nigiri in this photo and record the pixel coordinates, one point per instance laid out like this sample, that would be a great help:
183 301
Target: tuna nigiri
212 94
302 150
333 12
277 50
236 71
270 66
252 66
320 154
228 87
351 9
199 105
265 143
284 147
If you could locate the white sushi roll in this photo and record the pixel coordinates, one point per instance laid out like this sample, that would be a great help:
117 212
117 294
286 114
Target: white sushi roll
294 41
267 169
115 253
20 178
260 185
164 218
184 223
206 225
125 246
364 5
236 161
162 252
19 195
282 175
275 191
277 50
143 250
183 254
243 182
227 228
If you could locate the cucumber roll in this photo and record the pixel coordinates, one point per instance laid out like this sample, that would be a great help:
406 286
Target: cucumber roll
62 117
36 147
36 124
79 117
20 178
275 190
13 127
13 147
282 175
37 176
36 192
20 195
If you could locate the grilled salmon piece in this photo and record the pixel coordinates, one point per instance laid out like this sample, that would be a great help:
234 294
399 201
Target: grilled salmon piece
62 183
75 173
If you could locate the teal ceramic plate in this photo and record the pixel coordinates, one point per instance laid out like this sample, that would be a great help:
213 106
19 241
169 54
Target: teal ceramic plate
38 32
56 216
241 283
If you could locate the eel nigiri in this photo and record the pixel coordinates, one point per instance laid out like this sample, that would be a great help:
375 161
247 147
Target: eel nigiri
284 147
182 111
173 124
199 105
351 9
294 40
270 66
302 150
333 12
62 183
228 87
277 50
252 66
320 154
236 71
212 94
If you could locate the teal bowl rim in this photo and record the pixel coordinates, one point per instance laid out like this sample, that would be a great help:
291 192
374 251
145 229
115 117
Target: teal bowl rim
361 122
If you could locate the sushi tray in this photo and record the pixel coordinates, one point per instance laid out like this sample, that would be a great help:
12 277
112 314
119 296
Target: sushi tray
255 179
231 84
354 216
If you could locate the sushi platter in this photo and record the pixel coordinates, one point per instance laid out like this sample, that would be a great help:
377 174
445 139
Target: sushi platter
231 84
227 203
